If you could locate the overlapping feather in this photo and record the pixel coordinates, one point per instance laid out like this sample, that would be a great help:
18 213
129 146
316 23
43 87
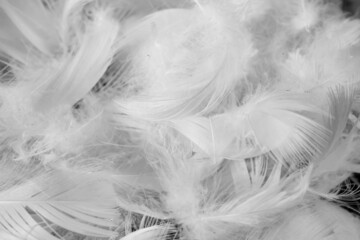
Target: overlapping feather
185 61
273 122
82 203
78 72
205 116
209 207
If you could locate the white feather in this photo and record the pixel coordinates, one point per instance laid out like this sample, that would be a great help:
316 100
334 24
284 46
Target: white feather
30 134
11 40
272 122
250 10
186 61
335 164
80 203
77 73
318 221
34 22
249 209
324 59
150 233
207 206
141 107
307 16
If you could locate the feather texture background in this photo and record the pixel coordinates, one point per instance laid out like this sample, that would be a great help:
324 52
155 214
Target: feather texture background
179 119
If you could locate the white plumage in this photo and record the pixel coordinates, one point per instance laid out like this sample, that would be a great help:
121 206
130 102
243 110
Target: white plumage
181 119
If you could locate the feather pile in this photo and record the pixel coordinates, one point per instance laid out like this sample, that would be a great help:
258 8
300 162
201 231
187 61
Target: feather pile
179 119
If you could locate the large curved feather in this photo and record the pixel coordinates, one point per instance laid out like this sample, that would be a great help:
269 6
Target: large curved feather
184 61
271 122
